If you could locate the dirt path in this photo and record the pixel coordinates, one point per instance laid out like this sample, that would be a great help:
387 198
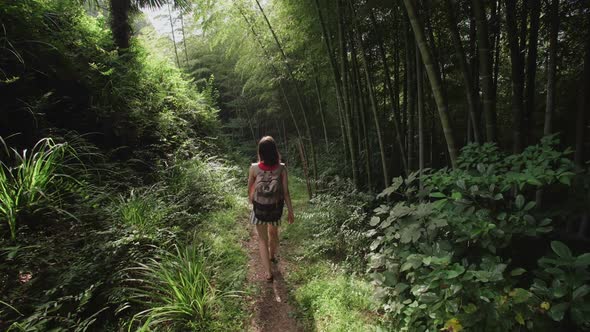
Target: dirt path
269 306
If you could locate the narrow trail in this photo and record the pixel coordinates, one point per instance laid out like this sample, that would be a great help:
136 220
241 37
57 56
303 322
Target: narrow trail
269 305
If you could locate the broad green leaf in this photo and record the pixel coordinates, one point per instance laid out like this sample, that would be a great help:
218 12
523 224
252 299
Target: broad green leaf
530 205
558 311
376 243
386 223
456 195
374 221
580 292
437 195
520 295
461 184
410 233
455 272
519 318
559 291
428 297
561 249
534 182
565 180
517 272
519 202
406 266
470 308
583 260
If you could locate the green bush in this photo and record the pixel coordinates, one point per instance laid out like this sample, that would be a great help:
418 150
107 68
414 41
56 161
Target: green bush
144 209
337 222
562 284
60 69
441 257
202 184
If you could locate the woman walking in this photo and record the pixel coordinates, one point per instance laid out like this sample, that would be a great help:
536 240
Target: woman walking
268 190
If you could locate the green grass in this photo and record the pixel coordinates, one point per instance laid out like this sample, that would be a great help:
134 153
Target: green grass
145 209
222 233
192 289
328 297
176 289
31 181
334 301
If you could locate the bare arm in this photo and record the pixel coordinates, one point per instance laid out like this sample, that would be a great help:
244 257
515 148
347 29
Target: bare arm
287 195
251 179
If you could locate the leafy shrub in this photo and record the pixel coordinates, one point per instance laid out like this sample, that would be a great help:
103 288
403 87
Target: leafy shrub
176 291
562 285
60 69
32 181
440 256
144 209
337 222
202 184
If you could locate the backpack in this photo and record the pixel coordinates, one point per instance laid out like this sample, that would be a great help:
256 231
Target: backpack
268 200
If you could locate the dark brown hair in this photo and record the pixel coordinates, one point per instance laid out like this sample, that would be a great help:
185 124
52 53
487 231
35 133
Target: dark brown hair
267 151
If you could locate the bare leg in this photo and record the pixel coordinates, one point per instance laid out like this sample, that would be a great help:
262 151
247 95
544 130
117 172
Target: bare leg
273 235
263 247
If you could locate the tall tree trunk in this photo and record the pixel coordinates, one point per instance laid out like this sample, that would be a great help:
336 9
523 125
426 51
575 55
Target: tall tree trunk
531 69
393 98
584 106
371 92
411 72
474 67
466 73
344 72
173 36
406 90
321 110
434 78
551 65
496 47
362 116
183 37
517 74
420 100
119 21
485 69
396 90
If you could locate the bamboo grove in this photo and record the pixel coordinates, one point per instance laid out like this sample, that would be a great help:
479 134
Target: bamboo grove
387 88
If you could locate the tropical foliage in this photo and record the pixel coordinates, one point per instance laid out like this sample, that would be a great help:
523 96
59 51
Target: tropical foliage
438 154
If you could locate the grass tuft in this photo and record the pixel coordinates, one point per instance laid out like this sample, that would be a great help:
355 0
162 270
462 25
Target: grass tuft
31 181
176 291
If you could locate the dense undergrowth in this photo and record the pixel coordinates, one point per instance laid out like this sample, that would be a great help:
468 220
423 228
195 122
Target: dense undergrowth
118 213
112 194
480 247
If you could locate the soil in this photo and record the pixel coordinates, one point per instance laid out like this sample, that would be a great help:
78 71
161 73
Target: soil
269 306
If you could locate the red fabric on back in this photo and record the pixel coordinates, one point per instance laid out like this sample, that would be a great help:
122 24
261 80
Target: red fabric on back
267 168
